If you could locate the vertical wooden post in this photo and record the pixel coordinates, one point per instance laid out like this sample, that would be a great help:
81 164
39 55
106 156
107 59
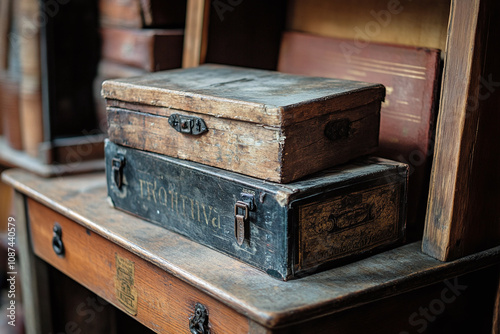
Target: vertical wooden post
33 276
463 208
196 33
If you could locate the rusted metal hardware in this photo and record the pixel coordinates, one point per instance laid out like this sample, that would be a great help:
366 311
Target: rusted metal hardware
57 243
187 124
198 323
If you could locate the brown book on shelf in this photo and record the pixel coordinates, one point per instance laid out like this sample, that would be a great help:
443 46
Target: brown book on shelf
411 77
30 89
9 106
149 49
142 13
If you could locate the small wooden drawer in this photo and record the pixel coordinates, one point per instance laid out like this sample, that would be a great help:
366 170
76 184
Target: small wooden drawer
155 298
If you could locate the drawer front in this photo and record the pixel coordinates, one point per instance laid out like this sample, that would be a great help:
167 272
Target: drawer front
152 296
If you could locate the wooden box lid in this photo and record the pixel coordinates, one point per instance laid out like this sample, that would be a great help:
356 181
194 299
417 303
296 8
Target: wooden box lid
251 95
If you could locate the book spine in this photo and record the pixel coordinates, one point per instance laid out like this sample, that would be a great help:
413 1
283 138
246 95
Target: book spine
30 86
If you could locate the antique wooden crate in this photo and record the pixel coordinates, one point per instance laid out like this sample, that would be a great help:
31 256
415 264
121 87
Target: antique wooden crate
285 230
265 124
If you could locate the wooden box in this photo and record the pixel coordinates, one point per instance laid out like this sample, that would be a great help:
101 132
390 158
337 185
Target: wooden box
265 124
285 230
148 49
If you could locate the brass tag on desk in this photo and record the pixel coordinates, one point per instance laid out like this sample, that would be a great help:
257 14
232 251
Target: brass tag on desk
125 290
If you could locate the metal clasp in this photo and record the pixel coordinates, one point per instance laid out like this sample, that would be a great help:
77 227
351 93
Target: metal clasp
187 124
240 221
117 167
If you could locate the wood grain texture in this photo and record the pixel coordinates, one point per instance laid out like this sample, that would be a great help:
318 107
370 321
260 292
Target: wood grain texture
462 215
237 146
421 23
264 97
292 114
32 273
269 302
196 33
148 49
6 207
165 303
407 117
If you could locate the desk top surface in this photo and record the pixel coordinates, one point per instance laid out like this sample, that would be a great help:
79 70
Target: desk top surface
264 299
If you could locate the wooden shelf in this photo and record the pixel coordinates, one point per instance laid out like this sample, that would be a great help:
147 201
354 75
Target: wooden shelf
14 158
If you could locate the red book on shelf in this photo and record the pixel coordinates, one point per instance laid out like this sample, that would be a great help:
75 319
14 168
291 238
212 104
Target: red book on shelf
411 77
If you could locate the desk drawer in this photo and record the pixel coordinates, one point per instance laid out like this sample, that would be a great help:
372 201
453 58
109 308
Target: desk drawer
152 296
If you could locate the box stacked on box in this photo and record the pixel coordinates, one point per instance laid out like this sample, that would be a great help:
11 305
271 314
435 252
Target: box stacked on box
243 161
138 37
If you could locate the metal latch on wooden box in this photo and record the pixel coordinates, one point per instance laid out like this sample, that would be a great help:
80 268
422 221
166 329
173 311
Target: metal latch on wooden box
187 124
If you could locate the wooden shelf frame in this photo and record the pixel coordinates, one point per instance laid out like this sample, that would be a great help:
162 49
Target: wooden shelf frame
268 303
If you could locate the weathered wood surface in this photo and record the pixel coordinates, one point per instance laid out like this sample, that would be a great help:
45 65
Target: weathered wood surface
196 32
263 299
463 215
421 23
260 123
408 113
33 274
292 229
258 96
161 301
142 13
148 49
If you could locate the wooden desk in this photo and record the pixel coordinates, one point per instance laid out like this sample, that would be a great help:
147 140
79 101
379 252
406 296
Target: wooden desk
159 277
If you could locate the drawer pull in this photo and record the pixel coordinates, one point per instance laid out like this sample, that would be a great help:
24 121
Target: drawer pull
57 243
198 323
